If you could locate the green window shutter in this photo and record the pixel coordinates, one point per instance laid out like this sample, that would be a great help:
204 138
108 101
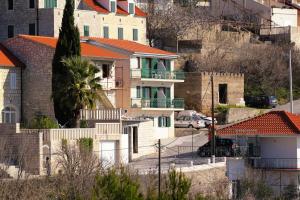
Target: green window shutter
138 92
135 36
168 65
106 32
131 8
168 121
154 62
86 30
146 93
55 4
154 92
120 34
112 6
146 73
159 121
168 92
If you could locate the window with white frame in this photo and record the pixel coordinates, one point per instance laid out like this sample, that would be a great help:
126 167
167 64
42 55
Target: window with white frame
164 121
13 81
8 115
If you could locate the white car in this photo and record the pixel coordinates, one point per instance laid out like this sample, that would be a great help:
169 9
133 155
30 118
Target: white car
189 122
207 120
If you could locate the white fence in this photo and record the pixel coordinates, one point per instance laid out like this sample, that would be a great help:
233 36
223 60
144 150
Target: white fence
104 114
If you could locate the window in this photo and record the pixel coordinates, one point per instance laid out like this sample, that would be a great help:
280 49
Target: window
86 30
50 3
31 29
120 33
106 32
139 62
112 6
13 81
223 93
105 71
138 91
131 8
164 122
10 4
8 115
135 34
31 3
10 31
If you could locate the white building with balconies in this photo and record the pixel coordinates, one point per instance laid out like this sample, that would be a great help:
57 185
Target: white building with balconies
267 146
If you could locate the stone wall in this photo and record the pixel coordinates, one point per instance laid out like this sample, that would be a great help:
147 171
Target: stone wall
234 115
196 90
10 97
21 150
37 76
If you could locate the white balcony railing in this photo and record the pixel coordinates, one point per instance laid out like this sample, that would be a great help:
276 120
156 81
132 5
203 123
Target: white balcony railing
101 114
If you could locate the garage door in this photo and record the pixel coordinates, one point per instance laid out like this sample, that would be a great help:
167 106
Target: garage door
108 153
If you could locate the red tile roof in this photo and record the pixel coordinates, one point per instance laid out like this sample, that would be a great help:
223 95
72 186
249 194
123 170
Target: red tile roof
133 47
271 123
87 50
94 5
7 59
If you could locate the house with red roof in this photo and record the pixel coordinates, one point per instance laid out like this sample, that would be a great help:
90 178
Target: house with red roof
135 78
10 87
118 19
267 145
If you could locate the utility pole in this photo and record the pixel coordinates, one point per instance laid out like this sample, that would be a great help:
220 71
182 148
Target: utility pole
159 169
291 82
213 145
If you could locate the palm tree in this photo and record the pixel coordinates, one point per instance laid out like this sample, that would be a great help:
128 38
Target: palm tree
83 87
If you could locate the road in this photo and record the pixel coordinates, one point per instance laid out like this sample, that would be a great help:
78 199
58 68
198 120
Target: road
180 150
286 107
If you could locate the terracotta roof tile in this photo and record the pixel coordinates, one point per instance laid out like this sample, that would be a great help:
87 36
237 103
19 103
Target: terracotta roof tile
133 47
7 59
87 50
94 5
271 123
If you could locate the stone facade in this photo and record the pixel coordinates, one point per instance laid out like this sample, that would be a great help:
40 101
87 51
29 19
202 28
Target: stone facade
196 90
49 20
10 97
37 88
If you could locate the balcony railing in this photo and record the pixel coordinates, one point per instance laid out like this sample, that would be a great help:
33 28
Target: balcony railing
157 74
101 114
275 163
157 103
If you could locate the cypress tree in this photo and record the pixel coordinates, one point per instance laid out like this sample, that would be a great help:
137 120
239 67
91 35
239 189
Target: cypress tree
68 45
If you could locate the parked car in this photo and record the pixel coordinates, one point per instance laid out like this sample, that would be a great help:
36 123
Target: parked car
261 101
189 122
207 120
224 147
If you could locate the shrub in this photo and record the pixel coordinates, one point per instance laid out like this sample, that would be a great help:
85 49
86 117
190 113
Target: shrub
85 144
43 122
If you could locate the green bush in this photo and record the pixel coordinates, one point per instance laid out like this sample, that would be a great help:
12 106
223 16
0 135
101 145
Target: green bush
83 124
42 122
85 144
177 186
113 185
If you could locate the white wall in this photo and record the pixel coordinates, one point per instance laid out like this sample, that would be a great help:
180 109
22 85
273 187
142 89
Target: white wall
278 147
285 17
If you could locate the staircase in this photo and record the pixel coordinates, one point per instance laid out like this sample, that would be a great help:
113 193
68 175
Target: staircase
105 101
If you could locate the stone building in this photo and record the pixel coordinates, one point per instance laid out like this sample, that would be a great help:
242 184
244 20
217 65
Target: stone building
196 90
10 87
97 18
37 52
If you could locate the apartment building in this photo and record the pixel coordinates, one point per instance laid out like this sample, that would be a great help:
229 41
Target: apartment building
116 19
266 148
10 87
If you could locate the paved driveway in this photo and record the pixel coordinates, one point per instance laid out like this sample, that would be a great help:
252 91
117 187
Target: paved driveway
181 151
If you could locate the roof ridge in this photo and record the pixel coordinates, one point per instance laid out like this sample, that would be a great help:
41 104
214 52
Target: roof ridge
289 115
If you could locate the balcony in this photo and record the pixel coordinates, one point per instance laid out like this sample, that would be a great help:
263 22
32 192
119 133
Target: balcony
164 103
145 74
274 163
